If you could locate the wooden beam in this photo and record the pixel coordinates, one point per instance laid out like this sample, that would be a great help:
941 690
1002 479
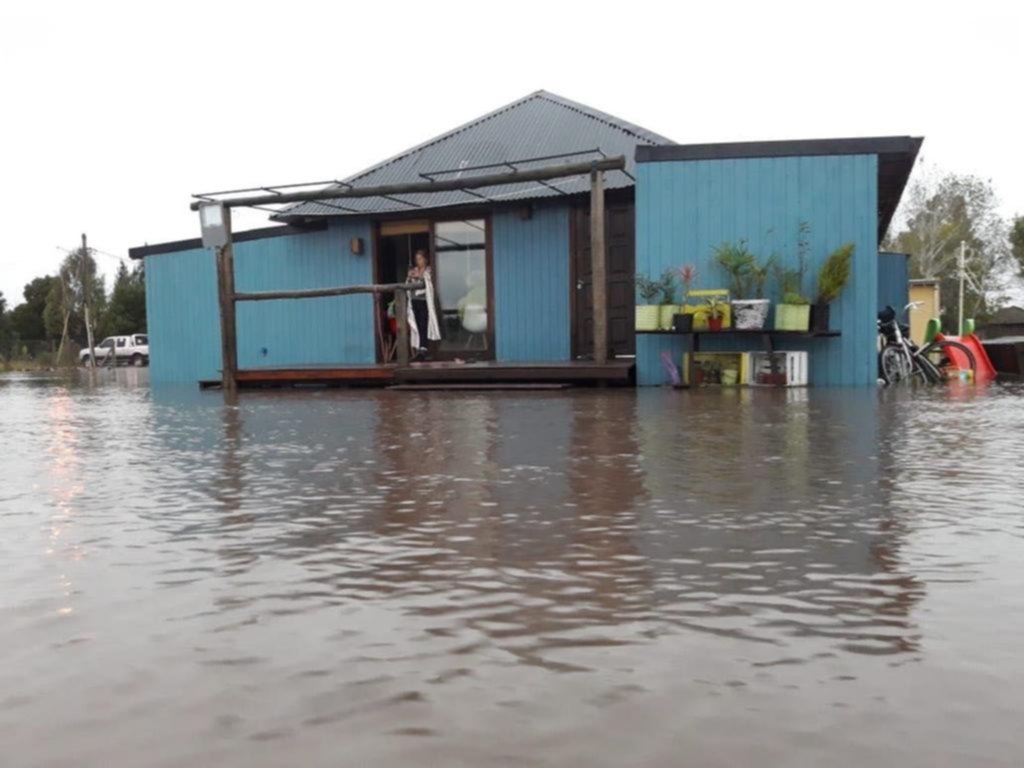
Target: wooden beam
319 293
225 299
598 267
402 323
444 185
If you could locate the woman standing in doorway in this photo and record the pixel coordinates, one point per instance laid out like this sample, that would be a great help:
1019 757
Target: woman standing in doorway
422 304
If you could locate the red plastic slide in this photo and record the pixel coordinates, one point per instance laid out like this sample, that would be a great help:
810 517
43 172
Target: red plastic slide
984 368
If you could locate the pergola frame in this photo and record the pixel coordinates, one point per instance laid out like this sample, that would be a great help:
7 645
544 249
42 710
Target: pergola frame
261 197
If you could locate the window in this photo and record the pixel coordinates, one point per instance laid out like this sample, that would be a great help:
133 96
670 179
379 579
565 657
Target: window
121 341
107 344
141 341
460 269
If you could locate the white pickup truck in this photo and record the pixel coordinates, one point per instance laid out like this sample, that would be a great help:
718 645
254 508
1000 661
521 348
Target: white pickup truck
128 350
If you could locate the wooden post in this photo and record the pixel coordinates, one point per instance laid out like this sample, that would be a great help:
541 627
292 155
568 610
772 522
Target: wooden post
598 266
226 300
402 321
86 280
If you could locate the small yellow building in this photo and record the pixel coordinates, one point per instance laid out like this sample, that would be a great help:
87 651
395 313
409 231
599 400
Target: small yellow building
926 292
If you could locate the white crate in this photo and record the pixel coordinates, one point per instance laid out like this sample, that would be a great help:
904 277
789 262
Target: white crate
792 364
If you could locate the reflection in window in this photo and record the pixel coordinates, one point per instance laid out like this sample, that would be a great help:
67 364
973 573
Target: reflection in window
461 275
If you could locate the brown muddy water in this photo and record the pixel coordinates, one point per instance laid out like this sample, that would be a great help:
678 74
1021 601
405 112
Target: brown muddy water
594 578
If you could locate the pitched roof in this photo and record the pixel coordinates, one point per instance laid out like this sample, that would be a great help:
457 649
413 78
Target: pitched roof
525 133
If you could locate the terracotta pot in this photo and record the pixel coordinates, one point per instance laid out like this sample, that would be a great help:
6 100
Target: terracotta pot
715 323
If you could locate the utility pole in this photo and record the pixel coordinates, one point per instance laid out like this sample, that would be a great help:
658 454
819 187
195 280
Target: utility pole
86 298
962 262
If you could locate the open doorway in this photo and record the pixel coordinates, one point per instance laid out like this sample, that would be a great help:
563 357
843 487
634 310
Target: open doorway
397 247
460 261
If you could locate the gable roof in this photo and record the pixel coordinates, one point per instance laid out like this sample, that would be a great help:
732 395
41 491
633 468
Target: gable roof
537 130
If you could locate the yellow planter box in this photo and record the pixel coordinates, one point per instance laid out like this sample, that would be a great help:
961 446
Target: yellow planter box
666 313
792 317
648 317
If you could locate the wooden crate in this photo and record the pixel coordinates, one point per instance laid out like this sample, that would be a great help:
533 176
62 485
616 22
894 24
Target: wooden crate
791 365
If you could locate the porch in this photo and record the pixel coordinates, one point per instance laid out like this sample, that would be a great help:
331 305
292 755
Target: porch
475 375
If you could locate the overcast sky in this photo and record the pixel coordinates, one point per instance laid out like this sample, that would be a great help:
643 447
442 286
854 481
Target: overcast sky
112 114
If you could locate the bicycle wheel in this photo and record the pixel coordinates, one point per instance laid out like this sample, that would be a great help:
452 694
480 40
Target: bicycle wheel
949 358
894 365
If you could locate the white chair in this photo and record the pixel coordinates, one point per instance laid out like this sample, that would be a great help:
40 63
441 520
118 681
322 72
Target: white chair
474 322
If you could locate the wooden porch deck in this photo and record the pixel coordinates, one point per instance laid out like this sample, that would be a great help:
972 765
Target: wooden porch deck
486 374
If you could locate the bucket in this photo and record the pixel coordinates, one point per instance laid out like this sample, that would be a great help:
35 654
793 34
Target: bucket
647 317
729 377
792 317
666 313
750 314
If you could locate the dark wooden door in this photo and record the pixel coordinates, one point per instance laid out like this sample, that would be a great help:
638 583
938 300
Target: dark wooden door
621 250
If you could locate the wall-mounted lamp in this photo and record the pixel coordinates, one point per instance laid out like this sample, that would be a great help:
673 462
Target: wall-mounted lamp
356 246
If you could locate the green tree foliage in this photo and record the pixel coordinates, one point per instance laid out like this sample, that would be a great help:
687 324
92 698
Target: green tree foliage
937 214
77 282
6 333
1017 244
27 319
126 310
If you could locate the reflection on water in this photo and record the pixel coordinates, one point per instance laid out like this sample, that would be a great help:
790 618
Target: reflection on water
595 577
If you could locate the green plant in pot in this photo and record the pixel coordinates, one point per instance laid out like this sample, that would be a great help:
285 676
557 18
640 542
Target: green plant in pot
714 310
833 277
793 312
648 308
683 321
668 308
747 277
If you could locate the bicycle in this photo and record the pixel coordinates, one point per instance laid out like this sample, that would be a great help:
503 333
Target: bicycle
900 361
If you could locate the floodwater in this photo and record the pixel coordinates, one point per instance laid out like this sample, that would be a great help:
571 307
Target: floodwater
593 578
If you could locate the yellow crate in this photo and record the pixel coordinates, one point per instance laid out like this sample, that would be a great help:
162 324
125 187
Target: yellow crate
699 310
739 361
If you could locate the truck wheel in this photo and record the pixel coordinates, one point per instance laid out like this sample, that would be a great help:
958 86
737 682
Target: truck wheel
88 362
137 360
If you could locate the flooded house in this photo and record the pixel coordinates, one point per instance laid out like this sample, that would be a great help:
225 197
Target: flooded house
512 258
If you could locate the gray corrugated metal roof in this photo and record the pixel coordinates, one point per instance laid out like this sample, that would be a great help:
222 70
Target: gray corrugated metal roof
539 125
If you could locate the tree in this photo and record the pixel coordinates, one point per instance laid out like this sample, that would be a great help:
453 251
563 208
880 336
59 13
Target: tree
27 319
1017 244
126 310
939 213
6 334
77 284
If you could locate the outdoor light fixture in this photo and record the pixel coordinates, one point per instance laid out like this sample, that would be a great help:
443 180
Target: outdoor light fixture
213 220
356 246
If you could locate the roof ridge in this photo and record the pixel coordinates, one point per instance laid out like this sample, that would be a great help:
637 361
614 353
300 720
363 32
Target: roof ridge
445 136
604 117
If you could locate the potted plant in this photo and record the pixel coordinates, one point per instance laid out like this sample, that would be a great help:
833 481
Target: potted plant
683 321
775 376
668 307
747 276
714 309
793 313
647 312
832 278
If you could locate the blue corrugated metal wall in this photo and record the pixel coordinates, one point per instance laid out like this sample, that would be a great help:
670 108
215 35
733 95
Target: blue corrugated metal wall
184 324
893 280
531 285
338 329
684 209
182 316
